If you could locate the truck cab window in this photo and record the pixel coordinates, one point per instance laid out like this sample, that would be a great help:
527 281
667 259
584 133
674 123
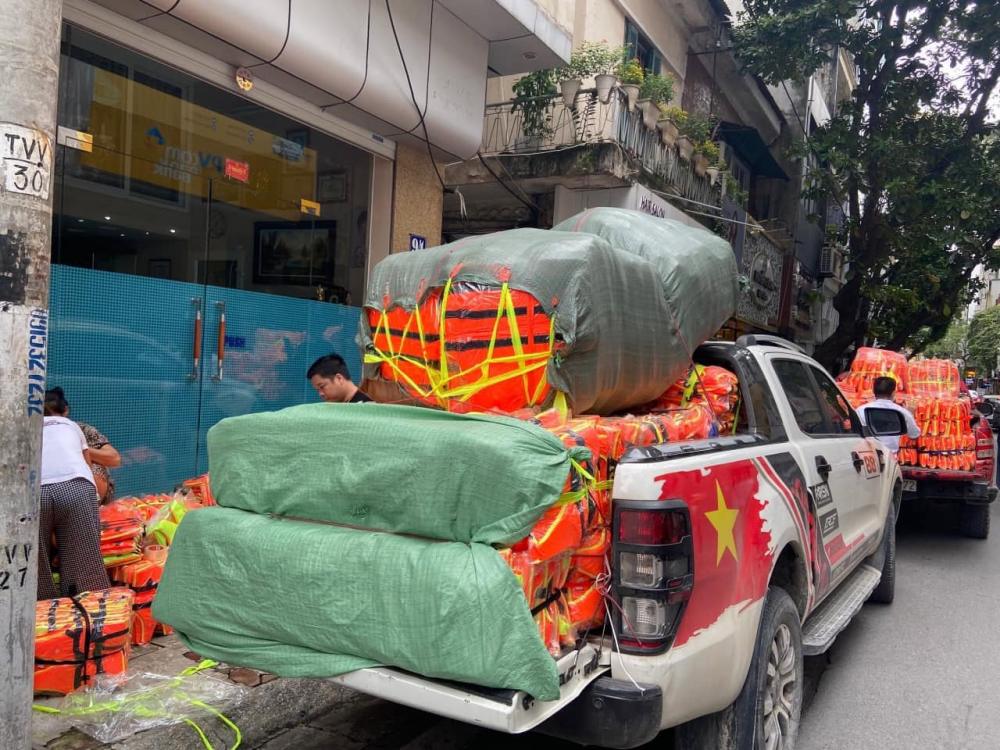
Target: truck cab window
810 412
837 409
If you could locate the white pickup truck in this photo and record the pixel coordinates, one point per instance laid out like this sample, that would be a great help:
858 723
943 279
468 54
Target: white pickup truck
732 558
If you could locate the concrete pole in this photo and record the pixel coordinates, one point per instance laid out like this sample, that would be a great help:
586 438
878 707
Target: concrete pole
29 72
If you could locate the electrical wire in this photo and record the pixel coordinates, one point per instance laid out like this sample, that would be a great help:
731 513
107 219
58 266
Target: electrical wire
413 97
504 185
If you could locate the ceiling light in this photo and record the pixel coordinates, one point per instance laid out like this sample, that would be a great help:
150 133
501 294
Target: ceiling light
107 218
173 231
122 234
80 221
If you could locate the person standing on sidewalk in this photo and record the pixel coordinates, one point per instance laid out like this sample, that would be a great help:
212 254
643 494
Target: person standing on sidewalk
69 509
884 389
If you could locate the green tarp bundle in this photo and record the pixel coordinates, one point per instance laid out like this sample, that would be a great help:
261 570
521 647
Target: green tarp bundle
618 283
318 599
311 600
393 468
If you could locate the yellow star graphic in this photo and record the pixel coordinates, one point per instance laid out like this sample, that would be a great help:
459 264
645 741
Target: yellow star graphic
723 519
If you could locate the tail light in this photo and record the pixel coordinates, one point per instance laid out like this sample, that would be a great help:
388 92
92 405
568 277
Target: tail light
653 572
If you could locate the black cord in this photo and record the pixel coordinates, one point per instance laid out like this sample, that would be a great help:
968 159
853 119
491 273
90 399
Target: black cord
413 97
506 187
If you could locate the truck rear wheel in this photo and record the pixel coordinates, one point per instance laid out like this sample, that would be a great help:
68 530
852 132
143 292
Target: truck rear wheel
765 715
975 522
884 559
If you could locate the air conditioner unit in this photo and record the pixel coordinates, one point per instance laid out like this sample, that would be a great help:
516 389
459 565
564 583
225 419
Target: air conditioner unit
827 260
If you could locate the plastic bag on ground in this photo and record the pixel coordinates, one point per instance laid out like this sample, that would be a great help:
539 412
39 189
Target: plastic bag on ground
120 706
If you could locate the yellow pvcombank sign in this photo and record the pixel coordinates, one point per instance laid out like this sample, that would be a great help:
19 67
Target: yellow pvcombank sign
158 138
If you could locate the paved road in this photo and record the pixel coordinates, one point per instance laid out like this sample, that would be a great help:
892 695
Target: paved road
921 673
925 671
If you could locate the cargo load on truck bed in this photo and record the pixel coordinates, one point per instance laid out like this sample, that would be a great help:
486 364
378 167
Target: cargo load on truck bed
605 312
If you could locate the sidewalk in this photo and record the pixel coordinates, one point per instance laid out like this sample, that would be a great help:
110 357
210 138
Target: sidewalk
266 706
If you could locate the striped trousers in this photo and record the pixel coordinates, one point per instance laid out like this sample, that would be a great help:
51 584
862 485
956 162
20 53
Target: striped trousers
70 510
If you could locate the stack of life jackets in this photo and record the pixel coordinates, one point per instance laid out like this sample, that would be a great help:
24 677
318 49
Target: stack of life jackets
468 347
870 363
713 387
122 527
562 564
79 638
946 439
934 378
142 578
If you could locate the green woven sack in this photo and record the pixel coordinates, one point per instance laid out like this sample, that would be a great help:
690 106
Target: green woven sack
465 478
314 600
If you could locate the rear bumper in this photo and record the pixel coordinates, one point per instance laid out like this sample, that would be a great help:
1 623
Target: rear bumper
610 713
975 492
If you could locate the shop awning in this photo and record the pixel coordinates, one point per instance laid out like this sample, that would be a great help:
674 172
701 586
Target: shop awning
750 147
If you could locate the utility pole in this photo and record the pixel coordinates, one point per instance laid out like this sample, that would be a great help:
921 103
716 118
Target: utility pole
29 73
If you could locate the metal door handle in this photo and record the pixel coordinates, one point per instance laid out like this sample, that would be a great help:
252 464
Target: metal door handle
196 349
823 467
858 462
220 344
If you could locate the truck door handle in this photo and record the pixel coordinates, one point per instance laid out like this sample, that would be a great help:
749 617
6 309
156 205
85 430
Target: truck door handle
220 344
859 463
196 346
823 467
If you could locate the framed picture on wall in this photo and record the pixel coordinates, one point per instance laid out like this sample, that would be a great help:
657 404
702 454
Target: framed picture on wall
294 252
332 187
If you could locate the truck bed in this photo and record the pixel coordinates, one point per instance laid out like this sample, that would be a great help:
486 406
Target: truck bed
511 711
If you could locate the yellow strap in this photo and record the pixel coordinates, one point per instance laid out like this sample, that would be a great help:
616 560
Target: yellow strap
441 380
559 404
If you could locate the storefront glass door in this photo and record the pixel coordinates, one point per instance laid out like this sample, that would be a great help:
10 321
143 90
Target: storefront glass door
192 280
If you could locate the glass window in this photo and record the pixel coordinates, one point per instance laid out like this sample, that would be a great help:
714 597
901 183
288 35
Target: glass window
837 409
809 411
189 182
639 47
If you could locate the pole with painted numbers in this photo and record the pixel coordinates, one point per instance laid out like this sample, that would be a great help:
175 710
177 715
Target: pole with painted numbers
29 72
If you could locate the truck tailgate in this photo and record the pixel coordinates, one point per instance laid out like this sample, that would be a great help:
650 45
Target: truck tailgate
510 711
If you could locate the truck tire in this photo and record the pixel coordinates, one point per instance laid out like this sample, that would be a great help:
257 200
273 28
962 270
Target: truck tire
771 698
884 558
975 522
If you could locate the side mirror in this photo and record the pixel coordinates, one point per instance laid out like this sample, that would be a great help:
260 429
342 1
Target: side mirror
885 422
986 408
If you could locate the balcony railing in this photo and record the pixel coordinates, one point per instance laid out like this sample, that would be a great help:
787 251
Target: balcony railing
591 122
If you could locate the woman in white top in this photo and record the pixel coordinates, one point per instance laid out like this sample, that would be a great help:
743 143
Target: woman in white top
69 508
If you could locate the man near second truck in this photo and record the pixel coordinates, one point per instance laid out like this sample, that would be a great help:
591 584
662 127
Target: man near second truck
884 389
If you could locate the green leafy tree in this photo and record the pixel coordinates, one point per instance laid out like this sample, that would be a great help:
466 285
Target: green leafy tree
914 153
952 345
984 339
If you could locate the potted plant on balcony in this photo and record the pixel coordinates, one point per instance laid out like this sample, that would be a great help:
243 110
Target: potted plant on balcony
533 95
631 75
696 129
604 62
670 122
655 90
706 153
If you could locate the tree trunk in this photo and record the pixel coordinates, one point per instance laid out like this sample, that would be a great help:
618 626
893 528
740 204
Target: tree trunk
850 327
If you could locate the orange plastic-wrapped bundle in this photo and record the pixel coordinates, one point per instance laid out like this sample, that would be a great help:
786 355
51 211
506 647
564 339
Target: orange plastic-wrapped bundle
870 363
468 346
201 489
946 439
585 585
542 583
714 387
934 378
142 577
121 532
78 638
